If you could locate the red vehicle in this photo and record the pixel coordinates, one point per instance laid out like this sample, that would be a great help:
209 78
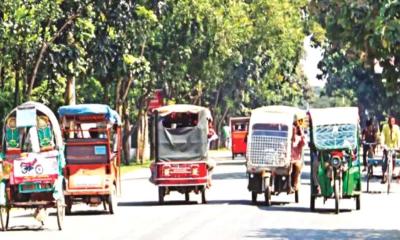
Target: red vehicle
181 149
92 135
239 128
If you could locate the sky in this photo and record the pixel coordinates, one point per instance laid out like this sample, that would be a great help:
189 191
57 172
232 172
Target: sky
311 58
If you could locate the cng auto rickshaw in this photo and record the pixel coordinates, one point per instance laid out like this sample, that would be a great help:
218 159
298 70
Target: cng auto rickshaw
92 134
269 151
334 150
239 130
181 150
31 163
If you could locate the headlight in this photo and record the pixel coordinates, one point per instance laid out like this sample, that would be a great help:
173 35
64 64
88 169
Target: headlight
335 162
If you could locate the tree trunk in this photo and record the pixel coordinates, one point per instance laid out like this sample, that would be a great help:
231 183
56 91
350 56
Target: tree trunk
70 97
142 152
16 92
126 139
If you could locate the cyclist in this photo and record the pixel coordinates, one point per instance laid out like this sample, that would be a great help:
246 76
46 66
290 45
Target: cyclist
390 137
369 135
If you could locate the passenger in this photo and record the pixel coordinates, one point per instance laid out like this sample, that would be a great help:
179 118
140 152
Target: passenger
297 143
390 138
369 135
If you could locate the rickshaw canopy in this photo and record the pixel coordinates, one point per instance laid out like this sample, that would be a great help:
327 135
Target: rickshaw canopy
90 109
334 128
43 109
183 143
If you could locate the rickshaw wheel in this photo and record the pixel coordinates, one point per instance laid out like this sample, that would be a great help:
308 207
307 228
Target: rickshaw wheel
161 194
312 203
60 214
2 223
267 195
187 197
296 196
358 202
336 192
254 197
203 196
68 207
112 201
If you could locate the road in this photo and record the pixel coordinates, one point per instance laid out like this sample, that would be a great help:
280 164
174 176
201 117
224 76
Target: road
227 215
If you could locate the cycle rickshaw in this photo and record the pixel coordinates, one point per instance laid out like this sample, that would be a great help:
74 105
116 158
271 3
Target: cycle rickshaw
33 159
269 151
334 149
181 150
93 140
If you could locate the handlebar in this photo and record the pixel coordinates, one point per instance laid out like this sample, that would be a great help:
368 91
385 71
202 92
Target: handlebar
369 143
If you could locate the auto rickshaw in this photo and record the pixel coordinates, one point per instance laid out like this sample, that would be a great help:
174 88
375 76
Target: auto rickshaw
334 148
239 129
92 134
31 163
181 151
269 151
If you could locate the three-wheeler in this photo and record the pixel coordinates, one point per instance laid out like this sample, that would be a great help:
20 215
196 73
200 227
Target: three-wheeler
334 148
181 134
31 163
239 130
92 134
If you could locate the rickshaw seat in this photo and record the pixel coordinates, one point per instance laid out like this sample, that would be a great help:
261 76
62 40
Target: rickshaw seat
45 133
12 136
86 151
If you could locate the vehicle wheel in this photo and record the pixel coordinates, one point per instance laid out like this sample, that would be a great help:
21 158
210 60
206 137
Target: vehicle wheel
7 218
161 194
312 203
2 218
112 201
105 205
296 196
187 197
369 176
389 176
358 202
60 206
203 196
254 197
267 194
233 156
336 192
68 206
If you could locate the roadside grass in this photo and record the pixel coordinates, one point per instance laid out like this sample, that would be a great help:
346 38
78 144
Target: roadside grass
133 167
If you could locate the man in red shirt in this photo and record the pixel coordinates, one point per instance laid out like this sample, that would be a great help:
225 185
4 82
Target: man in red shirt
297 143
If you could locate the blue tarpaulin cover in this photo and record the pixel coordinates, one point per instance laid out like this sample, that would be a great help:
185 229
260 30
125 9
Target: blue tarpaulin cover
88 109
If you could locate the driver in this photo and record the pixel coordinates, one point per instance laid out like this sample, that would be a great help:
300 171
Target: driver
390 137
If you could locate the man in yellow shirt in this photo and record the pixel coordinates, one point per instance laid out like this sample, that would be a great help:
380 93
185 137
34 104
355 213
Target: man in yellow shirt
390 137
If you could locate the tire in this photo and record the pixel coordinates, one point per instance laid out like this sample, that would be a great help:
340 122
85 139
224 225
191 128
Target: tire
7 218
358 202
296 196
369 176
203 196
336 192
312 203
267 195
112 201
187 197
161 194
233 156
2 220
390 172
68 206
60 206
254 197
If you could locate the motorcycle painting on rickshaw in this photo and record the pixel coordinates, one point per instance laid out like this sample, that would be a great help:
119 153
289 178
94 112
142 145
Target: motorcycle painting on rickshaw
31 163
334 148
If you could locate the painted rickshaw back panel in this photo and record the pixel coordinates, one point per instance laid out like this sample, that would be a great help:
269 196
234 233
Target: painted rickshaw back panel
239 128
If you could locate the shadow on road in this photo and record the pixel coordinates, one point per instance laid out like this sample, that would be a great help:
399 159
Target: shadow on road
231 175
293 233
231 163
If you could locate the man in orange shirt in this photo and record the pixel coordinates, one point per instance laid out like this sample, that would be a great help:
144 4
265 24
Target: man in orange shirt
297 143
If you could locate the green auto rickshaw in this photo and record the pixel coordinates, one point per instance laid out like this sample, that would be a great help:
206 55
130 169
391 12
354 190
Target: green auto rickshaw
334 148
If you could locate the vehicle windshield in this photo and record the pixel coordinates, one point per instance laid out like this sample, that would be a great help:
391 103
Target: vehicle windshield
270 129
335 136
180 120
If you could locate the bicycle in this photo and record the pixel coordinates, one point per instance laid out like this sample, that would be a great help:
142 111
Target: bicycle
391 156
370 161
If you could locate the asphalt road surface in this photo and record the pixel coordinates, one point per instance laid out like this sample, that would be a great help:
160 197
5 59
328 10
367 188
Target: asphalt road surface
228 214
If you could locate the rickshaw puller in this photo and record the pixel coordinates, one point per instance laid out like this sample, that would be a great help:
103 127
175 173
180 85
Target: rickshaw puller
390 137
